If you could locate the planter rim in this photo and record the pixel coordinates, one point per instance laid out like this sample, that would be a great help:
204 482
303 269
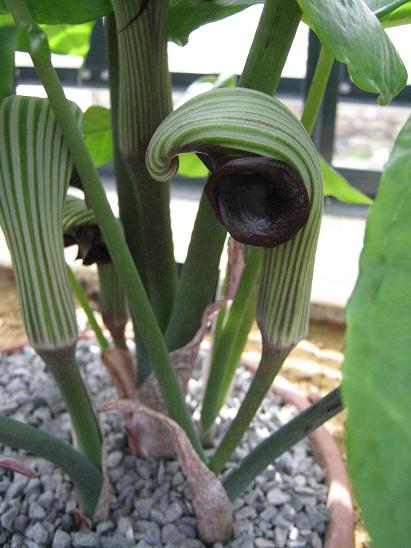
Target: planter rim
340 528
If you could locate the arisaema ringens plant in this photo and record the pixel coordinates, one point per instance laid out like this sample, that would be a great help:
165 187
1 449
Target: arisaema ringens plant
265 189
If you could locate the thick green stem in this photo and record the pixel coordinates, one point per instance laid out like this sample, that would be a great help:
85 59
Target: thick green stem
270 364
317 89
282 440
85 476
144 101
127 199
63 366
231 341
139 304
82 299
269 50
198 279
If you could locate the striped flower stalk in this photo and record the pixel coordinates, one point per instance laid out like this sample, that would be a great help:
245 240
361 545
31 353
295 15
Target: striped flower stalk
266 188
78 219
144 99
35 169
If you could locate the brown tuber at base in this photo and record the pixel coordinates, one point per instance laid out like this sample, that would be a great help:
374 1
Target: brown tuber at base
261 201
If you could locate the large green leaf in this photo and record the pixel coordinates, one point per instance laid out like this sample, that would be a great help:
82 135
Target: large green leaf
98 135
391 12
189 165
8 43
337 186
65 11
69 39
400 16
377 371
188 15
354 35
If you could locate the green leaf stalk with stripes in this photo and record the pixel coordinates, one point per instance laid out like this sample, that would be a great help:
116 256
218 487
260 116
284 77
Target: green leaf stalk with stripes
265 187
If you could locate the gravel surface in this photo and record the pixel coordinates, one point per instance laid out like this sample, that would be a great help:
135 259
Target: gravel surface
284 507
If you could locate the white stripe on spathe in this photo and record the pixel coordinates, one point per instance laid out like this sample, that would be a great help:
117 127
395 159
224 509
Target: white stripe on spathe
35 168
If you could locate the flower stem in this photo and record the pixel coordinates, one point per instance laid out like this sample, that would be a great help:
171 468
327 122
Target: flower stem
64 369
198 279
282 440
82 299
272 41
144 101
231 340
317 89
270 364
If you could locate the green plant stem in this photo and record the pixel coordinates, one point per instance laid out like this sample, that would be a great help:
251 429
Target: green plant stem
198 279
63 367
268 368
128 200
82 299
144 101
282 440
231 340
85 476
387 9
139 304
316 92
269 50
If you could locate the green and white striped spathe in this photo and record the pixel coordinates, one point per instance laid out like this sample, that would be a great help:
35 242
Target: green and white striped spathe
76 213
35 169
251 122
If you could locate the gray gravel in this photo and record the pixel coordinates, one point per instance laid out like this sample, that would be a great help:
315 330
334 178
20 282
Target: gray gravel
284 507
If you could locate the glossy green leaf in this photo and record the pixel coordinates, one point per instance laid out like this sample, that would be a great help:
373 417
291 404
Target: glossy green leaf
65 11
383 6
188 15
189 165
400 16
8 44
377 372
352 32
337 186
69 39
97 134
391 12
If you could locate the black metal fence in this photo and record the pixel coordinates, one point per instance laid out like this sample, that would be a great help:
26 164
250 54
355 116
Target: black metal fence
340 88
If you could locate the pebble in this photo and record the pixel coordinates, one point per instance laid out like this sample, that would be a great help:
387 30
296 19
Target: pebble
280 536
61 540
263 543
277 497
38 533
173 512
153 535
151 505
170 533
7 519
36 512
85 539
